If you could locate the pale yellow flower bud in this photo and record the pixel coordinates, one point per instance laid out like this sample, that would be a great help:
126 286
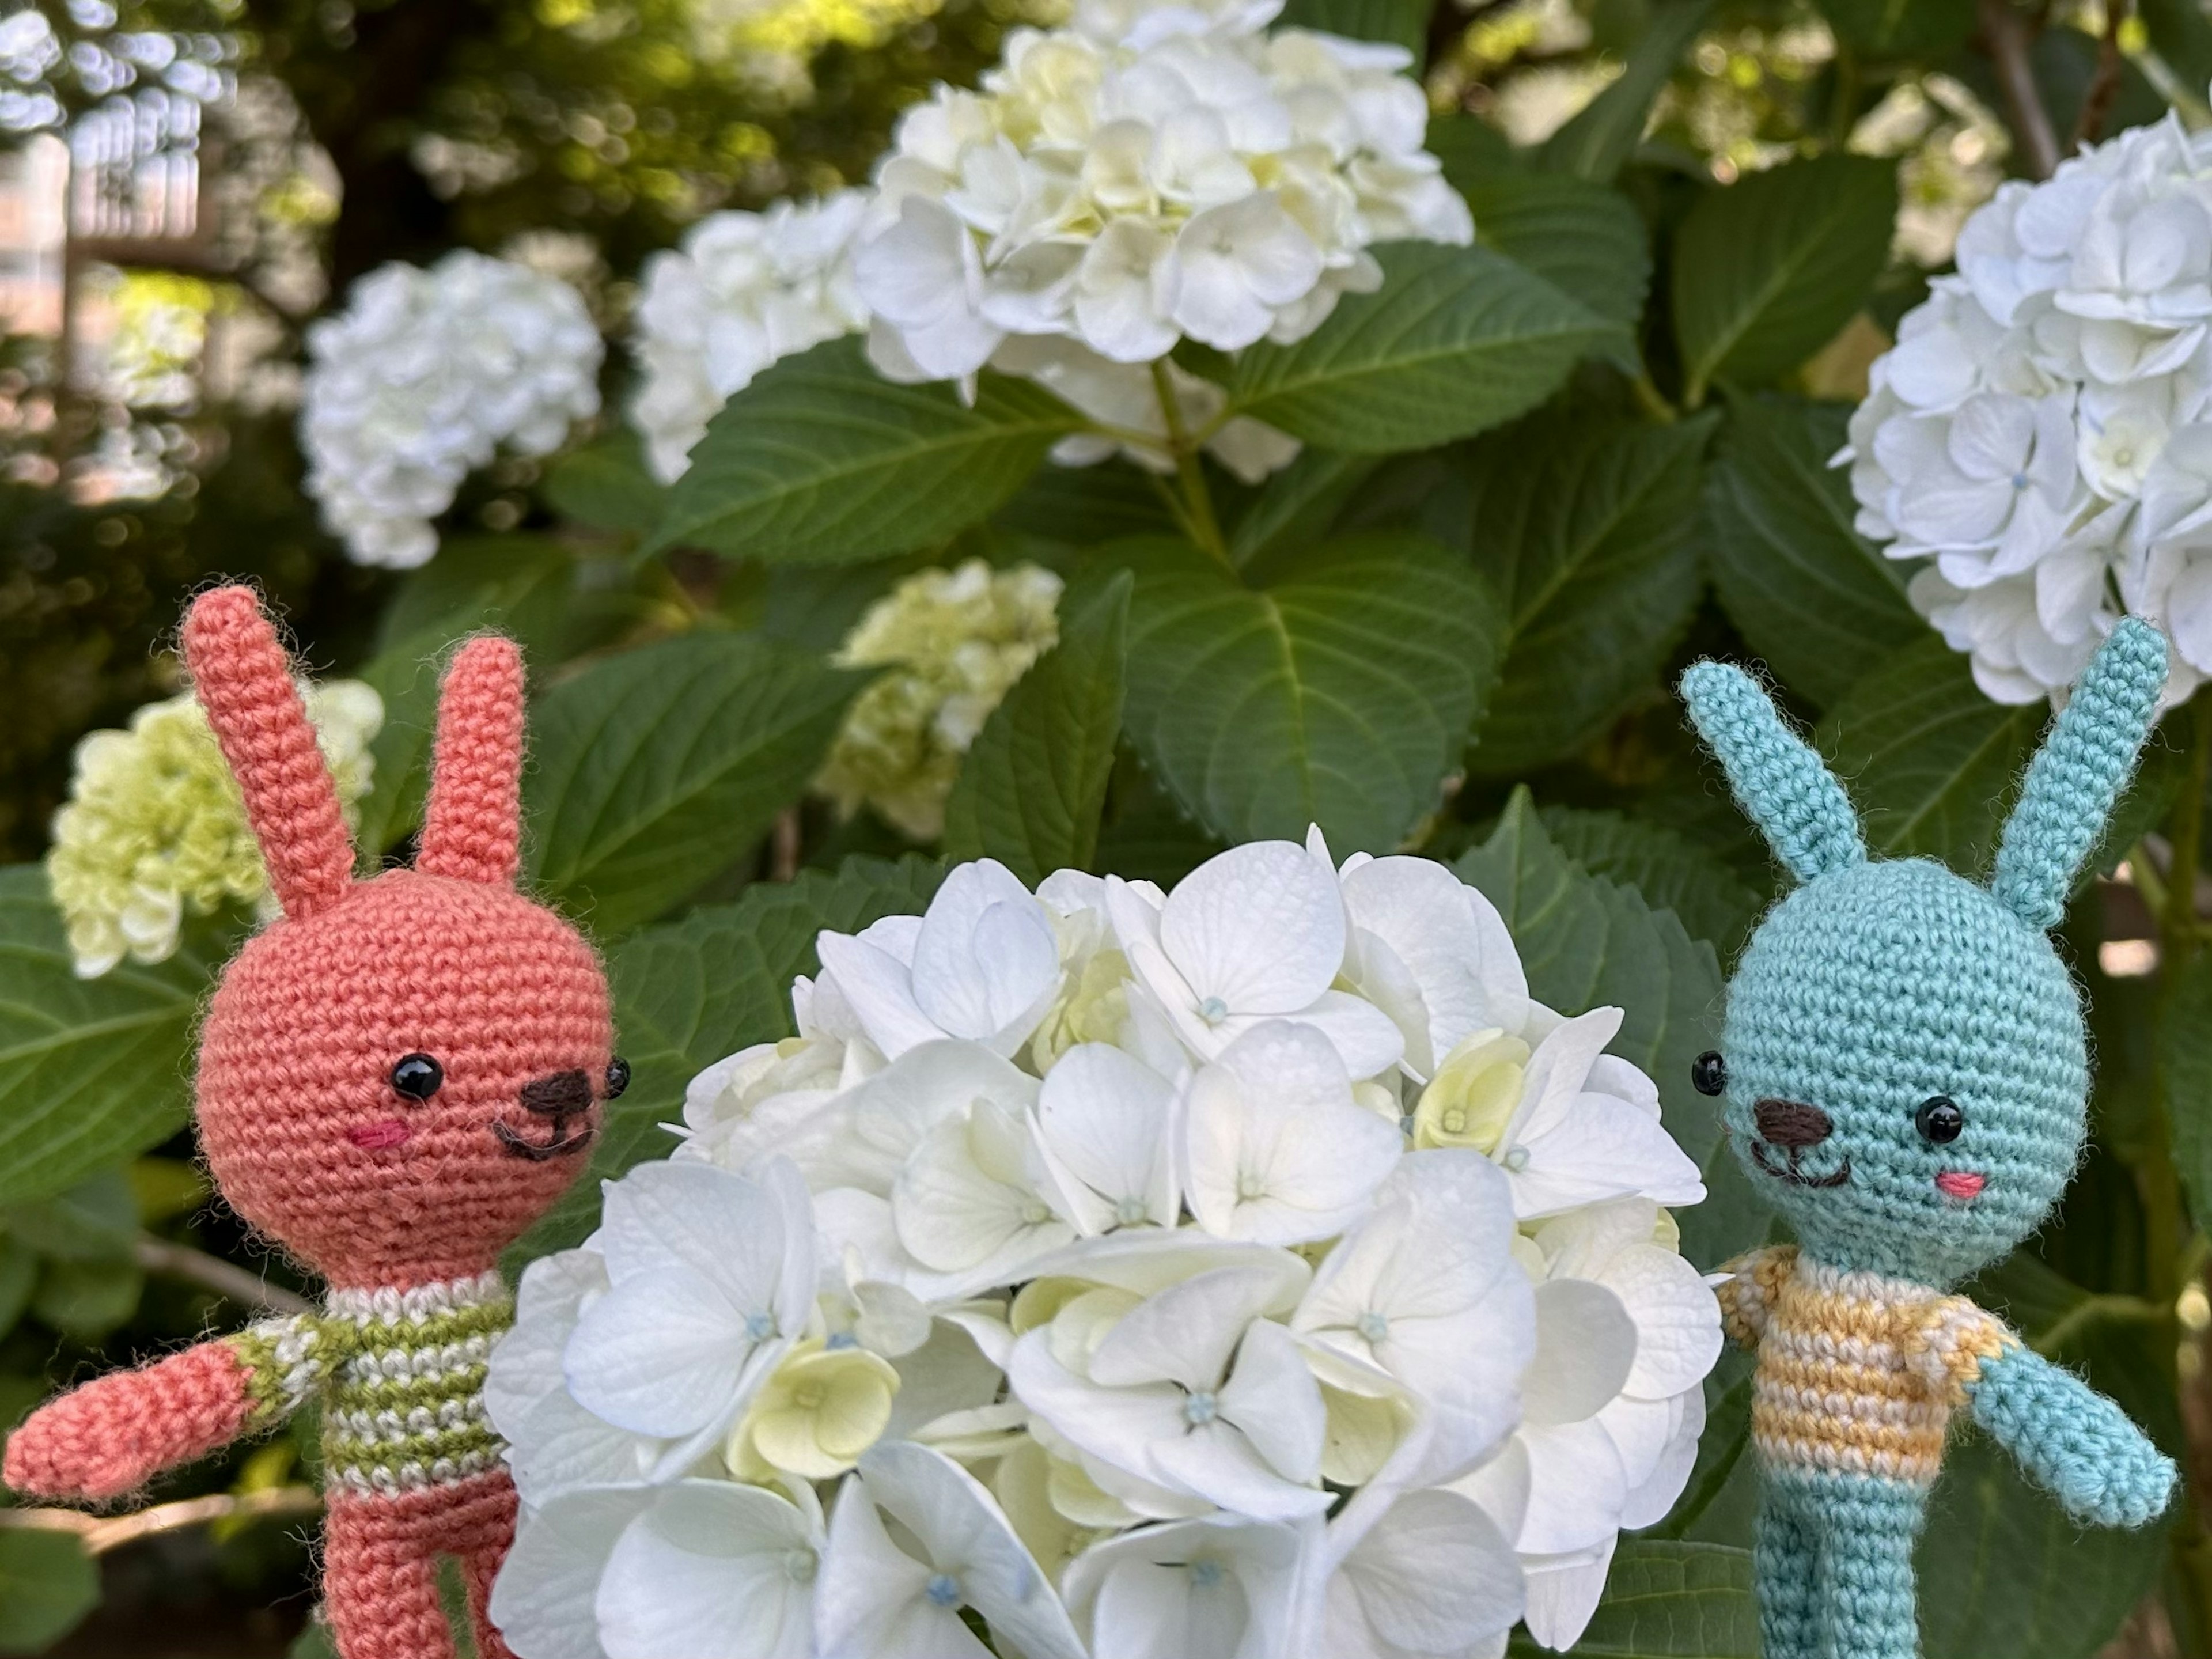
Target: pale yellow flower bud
155 826
955 642
1094 1010
1474 1094
818 1412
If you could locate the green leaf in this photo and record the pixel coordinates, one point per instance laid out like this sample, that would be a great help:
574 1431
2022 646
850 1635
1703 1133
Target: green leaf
521 585
2181 33
1335 692
1583 239
1671 872
1604 134
605 485
92 1072
1767 270
19 1276
316 1641
687 994
1579 522
1400 22
657 769
1888 29
96 1220
2185 1039
821 459
47 1585
1470 149
1458 340
86 1300
1032 786
1810 595
1297 505
1931 762
1585 942
1087 504
1665 1600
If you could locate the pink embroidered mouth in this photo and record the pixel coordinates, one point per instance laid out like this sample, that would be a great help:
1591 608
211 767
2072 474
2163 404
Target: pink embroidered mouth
1956 1183
376 1137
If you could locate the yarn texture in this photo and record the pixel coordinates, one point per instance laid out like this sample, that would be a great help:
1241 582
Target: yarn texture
401 1199
1906 1078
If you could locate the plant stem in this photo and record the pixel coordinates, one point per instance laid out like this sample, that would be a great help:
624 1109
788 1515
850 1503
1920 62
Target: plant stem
1652 401
2180 927
2105 85
1197 504
2005 37
1843 110
162 1259
102 1533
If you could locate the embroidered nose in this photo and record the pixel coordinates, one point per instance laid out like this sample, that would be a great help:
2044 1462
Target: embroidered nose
565 1094
1790 1123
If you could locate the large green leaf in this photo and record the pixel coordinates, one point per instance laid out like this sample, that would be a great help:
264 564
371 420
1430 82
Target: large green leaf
1334 690
1767 270
658 768
1579 522
1931 761
1032 786
1901 28
1586 942
1671 872
521 585
605 485
1297 505
47 1585
1400 22
1458 340
92 1072
689 993
1584 240
822 460
1666 1600
1602 136
1809 593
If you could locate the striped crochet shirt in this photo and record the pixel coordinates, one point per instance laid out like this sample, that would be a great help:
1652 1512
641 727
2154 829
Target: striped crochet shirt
399 1375
1858 1374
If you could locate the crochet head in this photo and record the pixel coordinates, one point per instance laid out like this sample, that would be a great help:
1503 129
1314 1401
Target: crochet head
400 1075
1902 1058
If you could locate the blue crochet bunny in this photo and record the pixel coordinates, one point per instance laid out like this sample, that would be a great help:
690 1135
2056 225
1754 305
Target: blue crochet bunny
1906 1076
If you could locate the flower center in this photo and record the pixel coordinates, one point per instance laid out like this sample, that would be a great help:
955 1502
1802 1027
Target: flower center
943 1589
799 1566
807 1396
1455 1120
1035 1215
1373 1326
2020 479
841 1340
1517 1158
1130 1211
1213 1011
1249 1185
760 1327
1198 1410
1205 1575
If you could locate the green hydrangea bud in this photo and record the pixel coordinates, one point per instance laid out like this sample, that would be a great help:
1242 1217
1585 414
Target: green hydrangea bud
955 641
155 826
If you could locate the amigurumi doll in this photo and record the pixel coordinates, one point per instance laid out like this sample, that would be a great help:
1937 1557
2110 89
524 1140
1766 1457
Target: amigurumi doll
1906 1076
395 1079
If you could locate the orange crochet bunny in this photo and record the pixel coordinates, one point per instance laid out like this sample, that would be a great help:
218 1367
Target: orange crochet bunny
395 1079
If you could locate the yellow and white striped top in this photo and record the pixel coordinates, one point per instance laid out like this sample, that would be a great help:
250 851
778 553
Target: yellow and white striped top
1858 1374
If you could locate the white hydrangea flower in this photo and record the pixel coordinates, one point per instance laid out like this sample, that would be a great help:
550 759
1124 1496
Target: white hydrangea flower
2017 436
1077 1253
743 290
1151 174
424 377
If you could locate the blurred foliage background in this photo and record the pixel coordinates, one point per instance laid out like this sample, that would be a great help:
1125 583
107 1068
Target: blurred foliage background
146 444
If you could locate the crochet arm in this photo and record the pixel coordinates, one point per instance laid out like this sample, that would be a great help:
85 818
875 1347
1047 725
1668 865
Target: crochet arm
120 1431
2071 1440
1747 1295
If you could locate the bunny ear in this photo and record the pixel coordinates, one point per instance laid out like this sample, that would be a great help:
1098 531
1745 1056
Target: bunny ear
1785 787
473 829
2078 772
243 682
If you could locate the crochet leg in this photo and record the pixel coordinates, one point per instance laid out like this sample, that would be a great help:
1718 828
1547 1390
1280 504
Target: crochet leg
1871 1528
1787 1561
493 1526
380 1587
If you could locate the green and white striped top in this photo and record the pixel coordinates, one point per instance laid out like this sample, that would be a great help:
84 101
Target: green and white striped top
400 1377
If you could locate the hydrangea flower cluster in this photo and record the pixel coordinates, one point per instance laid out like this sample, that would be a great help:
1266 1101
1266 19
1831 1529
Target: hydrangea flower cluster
745 291
422 377
154 824
1154 172
2042 432
954 642
1253 1267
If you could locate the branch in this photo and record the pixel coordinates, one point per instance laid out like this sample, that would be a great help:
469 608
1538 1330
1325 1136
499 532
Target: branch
2105 85
2005 37
102 1533
165 1261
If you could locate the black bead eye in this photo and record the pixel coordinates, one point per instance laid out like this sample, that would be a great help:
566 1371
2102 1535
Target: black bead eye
618 1075
1709 1073
1940 1120
417 1076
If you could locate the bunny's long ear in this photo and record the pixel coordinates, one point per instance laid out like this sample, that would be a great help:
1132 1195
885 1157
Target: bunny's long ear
473 829
2078 772
1779 781
243 682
